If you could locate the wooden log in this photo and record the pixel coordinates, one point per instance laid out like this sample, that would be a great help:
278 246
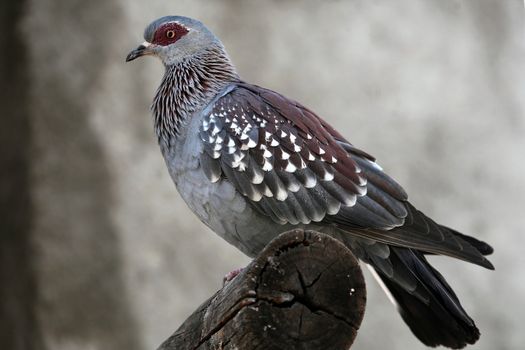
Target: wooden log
305 290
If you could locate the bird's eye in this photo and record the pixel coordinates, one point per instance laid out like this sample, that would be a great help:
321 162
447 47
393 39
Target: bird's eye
170 34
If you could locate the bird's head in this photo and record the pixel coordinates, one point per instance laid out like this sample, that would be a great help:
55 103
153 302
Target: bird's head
173 38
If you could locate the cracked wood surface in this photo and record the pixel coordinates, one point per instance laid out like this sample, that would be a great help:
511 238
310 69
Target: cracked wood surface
305 290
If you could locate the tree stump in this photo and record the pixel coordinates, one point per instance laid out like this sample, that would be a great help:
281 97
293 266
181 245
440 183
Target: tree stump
305 290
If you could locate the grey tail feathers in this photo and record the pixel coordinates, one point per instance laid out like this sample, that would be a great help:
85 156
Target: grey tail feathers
431 310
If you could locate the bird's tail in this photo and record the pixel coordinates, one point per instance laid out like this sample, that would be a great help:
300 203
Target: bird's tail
426 302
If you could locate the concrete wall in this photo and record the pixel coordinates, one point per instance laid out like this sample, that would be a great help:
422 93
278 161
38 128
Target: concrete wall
101 253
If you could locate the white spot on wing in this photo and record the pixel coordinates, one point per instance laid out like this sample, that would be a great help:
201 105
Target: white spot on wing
267 166
310 181
205 125
303 164
281 194
267 192
290 167
257 178
328 175
266 153
350 200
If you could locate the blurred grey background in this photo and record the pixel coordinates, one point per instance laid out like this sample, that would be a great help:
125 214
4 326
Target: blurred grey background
97 250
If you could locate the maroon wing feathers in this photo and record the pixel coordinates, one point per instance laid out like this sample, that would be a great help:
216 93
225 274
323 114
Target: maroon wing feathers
279 155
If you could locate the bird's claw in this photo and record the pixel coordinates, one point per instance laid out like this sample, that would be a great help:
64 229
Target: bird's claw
231 275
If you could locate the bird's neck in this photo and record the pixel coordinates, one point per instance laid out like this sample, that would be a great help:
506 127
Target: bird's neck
187 87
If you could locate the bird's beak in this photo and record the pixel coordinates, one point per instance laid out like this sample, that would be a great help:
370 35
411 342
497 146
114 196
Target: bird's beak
142 50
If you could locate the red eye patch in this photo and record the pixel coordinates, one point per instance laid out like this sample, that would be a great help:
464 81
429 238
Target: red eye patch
169 33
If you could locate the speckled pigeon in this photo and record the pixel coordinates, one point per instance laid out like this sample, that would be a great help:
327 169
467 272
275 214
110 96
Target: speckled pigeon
252 163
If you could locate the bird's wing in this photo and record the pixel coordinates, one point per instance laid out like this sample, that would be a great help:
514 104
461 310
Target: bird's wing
279 155
295 168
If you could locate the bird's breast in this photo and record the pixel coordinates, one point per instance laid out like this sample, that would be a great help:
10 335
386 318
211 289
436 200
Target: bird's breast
217 204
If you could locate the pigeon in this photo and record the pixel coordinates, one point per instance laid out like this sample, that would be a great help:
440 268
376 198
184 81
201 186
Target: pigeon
252 163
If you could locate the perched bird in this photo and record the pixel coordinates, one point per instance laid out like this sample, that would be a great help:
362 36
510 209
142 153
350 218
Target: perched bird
252 163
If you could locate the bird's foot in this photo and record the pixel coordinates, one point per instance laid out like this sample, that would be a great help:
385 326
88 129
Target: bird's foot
231 275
